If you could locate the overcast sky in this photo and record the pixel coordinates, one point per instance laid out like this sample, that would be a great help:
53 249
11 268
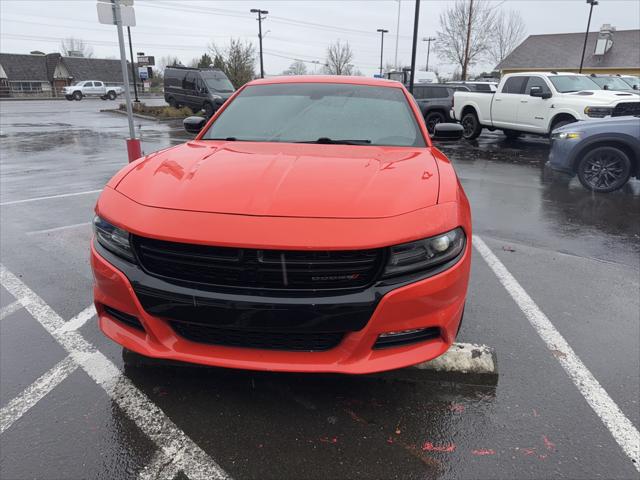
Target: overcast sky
296 29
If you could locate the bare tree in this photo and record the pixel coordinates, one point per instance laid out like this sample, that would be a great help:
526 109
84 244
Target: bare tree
466 32
167 61
508 32
75 47
296 68
339 58
237 61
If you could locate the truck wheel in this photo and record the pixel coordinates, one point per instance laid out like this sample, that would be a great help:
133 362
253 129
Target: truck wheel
561 123
604 169
511 134
471 126
208 110
69 97
432 119
111 95
77 95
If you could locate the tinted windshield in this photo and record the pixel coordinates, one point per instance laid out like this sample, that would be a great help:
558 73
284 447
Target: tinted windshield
217 81
572 83
631 81
613 83
306 112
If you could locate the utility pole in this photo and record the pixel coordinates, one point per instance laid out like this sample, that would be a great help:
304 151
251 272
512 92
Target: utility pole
395 59
416 20
133 67
467 45
260 18
586 34
382 32
428 40
315 64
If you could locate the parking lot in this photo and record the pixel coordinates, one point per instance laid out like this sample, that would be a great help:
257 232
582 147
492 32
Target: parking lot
554 290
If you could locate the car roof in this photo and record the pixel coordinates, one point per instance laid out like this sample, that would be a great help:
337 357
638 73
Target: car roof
374 82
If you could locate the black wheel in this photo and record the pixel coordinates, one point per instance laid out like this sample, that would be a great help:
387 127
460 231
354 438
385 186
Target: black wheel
604 169
208 110
111 95
471 126
561 123
432 119
172 102
69 97
511 134
77 95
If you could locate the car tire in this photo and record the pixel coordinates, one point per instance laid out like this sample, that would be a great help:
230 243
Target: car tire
431 119
604 169
471 126
69 97
511 134
111 95
561 123
208 110
77 95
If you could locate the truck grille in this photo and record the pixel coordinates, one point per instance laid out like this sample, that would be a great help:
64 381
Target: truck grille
243 268
626 108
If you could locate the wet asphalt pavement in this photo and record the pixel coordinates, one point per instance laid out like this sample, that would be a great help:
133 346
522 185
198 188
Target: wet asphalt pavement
575 253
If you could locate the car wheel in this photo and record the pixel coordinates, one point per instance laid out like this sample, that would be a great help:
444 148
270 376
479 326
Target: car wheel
77 95
511 134
471 127
69 97
561 123
111 95
208 110
604 169
432 119
172 102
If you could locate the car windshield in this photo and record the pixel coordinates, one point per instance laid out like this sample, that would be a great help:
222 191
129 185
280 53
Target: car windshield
612 83
217 82
573 83
631 81
319 113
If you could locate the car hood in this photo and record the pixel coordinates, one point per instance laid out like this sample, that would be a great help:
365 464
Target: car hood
286 180
604 97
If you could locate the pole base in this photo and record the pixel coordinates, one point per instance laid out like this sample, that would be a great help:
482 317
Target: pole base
133 149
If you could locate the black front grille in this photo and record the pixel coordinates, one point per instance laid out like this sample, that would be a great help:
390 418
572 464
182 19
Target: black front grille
246 268
297 342
125 318
626 108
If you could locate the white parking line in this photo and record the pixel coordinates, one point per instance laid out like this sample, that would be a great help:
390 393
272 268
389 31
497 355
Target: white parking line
57 229
169 439
20 405
623 431
9 309
49 197
159 467
79 320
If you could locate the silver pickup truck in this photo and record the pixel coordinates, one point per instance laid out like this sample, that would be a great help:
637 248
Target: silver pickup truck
91 88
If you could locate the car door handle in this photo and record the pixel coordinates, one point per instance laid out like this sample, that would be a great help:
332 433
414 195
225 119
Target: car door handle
524 101
497 99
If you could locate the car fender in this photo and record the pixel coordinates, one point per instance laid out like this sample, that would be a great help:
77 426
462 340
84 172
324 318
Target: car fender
613 137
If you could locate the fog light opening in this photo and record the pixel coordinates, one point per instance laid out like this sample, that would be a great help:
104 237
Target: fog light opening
406 337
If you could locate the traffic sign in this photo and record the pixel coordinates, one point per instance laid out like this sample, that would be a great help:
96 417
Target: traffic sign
107 14
143 73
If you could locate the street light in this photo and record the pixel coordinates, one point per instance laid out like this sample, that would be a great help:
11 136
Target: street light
260 18
586 34
428 40
382 32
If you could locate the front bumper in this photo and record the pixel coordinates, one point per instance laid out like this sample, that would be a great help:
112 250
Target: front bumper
437 301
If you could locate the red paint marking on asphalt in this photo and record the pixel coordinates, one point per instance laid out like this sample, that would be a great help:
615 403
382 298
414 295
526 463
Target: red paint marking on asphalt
528 451
548 443
456 408
329 440
355 416
483 451
430 447
389 440
535 413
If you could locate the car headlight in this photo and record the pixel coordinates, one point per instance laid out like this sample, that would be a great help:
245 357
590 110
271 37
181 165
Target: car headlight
114 239
424 254
216 97
565 135
598 112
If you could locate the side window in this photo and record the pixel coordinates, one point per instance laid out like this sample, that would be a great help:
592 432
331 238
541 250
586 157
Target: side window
514 85
440 92
200 85
419 92
482 87
536 82
189 82
88 84
97 84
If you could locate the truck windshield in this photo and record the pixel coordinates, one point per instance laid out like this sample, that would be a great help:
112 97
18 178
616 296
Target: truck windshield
319 113
573 83
612 83
217 82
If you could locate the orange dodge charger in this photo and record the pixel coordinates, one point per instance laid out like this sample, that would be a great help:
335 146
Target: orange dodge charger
310 226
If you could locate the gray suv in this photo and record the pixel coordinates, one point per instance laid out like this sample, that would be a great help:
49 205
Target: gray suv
435 102
197 88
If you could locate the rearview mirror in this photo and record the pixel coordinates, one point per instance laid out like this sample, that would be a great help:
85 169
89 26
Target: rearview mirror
538 92
194 124
447 131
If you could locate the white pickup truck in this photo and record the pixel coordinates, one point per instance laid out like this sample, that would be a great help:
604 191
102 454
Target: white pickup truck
538 102
91 88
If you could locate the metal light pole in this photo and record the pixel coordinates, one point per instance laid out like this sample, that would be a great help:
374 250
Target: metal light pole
315 64
428 40
586 34
133 67
416 20
395 59
260 18
382 32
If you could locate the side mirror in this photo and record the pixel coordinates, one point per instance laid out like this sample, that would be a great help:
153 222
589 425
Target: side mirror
447 131
606 87
635 86
194 124
537 92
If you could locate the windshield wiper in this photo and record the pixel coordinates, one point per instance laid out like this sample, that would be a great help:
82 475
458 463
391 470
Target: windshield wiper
228 139
329 141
